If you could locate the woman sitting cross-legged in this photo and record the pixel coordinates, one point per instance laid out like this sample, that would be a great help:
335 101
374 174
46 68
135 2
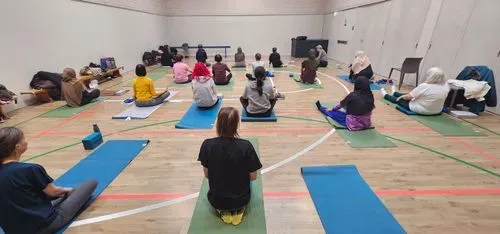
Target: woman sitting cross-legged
309 68
358 106
75 92
181 71
239 58
230 164
361 66
144 89
259 96
426 99
29 201
222 73
204 93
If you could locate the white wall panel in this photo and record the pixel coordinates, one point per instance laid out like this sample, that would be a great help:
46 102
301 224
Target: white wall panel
56 34
252 33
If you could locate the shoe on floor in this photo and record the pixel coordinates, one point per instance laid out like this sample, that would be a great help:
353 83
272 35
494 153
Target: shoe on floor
226 217
238 216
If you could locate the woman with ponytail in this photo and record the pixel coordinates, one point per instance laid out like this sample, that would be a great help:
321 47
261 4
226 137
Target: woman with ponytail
259 96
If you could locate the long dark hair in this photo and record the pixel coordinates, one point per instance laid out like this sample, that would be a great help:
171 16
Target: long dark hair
260 74
140 70
9 138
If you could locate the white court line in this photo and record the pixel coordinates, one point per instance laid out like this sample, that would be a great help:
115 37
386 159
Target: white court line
194 195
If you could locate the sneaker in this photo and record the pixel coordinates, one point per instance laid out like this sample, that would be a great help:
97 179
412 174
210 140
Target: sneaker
383 92
238 216
226 217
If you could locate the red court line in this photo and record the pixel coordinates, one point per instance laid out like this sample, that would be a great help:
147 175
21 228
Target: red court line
438 192
183 132
477 150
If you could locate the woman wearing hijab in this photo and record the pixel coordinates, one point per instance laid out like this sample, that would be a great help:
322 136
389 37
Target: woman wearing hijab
239 58
74 92
6 96
361 66
309 68
166 57
204 93
322 57
358 107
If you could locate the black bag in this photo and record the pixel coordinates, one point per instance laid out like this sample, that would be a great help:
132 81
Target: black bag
301 38
148 58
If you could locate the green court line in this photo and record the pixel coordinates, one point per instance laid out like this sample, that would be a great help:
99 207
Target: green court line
77 143
301 118
446 155
481 127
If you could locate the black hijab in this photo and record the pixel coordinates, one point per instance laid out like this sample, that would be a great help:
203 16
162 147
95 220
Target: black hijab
361 100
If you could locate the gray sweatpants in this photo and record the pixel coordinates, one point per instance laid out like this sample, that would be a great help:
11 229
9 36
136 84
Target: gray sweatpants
67 209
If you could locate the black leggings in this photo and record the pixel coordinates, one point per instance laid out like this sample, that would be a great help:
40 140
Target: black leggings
394 99
323 63
87 97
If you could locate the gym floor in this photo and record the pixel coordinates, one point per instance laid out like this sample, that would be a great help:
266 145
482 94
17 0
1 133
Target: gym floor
427 185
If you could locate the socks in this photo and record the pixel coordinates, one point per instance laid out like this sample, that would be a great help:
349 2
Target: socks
393 89
383 92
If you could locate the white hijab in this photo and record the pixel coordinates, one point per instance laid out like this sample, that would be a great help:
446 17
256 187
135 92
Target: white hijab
361 61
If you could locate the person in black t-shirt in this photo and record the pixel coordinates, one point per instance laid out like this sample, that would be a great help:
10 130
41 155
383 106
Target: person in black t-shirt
229 164
29 201
275 58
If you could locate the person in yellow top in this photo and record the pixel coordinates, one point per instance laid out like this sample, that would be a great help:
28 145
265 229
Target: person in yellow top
144 89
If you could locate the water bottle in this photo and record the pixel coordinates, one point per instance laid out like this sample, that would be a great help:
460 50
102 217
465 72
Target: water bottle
96 128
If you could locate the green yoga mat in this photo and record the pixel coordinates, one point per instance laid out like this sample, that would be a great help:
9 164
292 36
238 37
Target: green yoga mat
238 68
66 111
369 138
279 68
205 219
229 86
156 75
306 86
443 124
162 69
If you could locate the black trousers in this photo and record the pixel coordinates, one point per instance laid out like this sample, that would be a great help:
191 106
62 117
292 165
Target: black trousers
87 97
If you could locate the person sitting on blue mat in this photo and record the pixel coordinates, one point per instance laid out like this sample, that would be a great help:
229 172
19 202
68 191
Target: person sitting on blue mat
230 164
29 201
74 91
361 66
358 106
259 96
257 63
275 59
309 68
426 99
144 89
204 92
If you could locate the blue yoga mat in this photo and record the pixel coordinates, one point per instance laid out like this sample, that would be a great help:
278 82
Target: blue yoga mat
346 204
245 118
103 165
372 85
199 118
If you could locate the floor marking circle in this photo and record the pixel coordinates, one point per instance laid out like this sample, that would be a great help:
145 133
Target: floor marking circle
195 195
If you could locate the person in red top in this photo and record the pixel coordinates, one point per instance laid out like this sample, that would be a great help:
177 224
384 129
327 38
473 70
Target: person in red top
220 71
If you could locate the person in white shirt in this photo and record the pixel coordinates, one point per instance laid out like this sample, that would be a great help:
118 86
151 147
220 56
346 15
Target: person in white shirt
426 99
258 63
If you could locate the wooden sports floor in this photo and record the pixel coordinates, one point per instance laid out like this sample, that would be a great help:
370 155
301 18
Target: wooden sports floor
426 182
